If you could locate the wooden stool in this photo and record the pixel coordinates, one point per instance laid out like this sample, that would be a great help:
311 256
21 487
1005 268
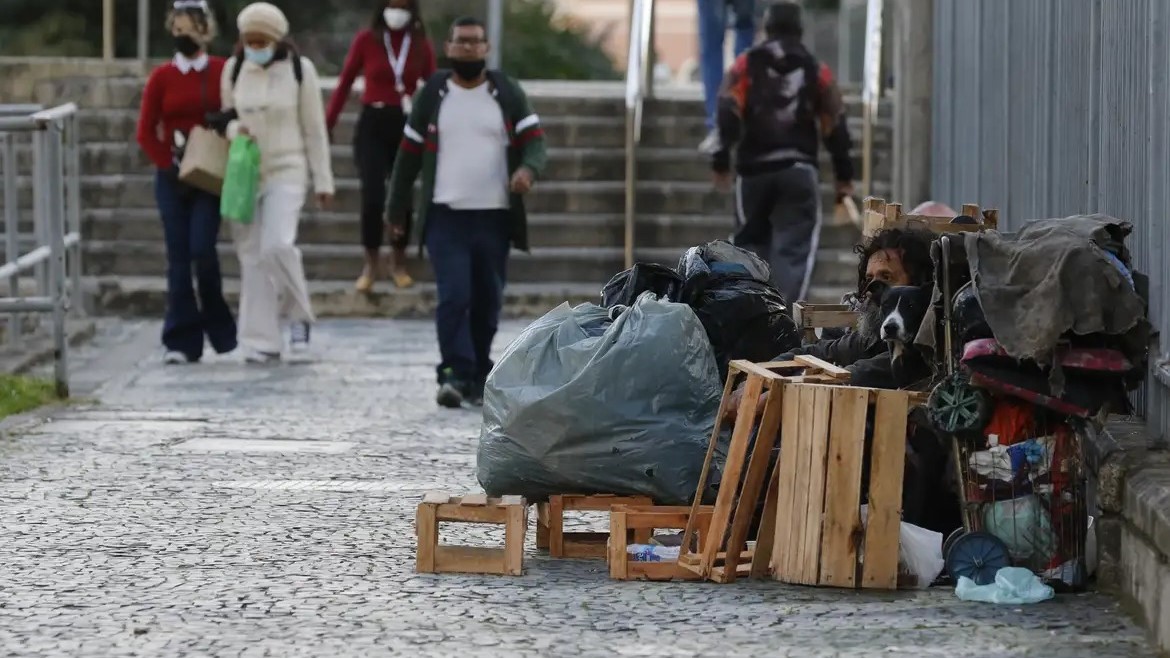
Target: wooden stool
508 511
624 518
550 521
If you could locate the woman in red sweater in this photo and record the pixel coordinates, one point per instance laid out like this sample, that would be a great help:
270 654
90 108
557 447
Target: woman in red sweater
178 96
395 57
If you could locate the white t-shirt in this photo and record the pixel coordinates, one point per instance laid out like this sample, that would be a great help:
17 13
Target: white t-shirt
472 168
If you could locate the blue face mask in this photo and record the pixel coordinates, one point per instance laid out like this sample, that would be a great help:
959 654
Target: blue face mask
261 56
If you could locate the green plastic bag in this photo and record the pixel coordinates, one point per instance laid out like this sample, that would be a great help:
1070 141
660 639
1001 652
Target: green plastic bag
237 202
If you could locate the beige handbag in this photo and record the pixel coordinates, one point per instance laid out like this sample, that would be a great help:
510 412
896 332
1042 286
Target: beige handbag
204 160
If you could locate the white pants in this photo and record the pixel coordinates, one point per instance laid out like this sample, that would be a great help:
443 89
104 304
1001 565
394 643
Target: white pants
272 276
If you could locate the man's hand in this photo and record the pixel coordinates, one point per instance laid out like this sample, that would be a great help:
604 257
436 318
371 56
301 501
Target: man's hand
521 181
324 200
732 410
844 189
723 181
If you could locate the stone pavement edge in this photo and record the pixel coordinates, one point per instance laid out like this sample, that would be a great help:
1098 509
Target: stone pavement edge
221 509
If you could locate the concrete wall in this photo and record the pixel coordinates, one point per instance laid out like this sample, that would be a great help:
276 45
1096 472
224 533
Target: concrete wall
52 80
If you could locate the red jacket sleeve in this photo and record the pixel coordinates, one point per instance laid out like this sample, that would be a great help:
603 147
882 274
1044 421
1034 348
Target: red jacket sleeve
149 118
354 63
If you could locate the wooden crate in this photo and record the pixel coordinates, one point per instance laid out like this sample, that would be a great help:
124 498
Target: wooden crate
438 507
819 537
878 216
550 523
810 317
624 519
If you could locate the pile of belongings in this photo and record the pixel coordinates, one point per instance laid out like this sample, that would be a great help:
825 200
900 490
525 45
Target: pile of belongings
621 398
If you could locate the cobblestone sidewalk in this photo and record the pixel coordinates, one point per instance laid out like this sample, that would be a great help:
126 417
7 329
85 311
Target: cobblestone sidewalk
223 510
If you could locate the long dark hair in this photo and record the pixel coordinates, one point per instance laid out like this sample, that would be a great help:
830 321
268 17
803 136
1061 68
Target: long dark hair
416 26
912 245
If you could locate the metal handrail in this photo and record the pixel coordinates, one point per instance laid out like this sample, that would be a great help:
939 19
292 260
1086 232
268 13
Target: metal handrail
56 222
871 89
639 87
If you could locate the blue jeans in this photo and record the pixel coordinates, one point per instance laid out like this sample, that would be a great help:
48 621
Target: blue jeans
191 221
713 22
468 250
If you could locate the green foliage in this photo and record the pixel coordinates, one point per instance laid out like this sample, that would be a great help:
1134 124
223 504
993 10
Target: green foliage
19 394
535 45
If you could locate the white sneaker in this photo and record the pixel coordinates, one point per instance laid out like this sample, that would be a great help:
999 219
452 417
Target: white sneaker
710 144
299 336
256 357
173 358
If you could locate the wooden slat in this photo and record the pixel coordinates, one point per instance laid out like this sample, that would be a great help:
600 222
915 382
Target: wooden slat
469 514
766 537
821 364
780 365
427 531
542 526
753 484
556 527
801 493
749 368
782 547
512 500
469 559
475 500
887 462
732 471
818 452
514 529
842 528
659 571
617 558
436 498
697 501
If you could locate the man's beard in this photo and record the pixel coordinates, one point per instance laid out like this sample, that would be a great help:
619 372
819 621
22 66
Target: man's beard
870 323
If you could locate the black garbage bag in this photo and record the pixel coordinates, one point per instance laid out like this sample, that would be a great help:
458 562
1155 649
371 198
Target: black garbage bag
582 403
744 316
625 287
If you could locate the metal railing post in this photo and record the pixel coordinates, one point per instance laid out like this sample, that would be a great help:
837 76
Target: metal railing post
41 204
871 90
53 177
11 230
73 190
143 33
495 30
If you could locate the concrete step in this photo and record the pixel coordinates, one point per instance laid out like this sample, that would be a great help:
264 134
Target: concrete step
567 164
545 230
594 197
582 130
592 266
146 297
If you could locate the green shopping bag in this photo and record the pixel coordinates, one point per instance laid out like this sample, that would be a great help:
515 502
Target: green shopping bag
237 202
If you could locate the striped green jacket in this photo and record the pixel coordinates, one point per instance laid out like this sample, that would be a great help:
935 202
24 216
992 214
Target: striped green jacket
419 151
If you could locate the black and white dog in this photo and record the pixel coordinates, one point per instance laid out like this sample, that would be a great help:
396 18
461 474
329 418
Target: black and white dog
902 311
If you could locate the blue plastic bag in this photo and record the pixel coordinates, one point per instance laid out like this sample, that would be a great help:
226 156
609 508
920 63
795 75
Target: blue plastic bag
1012 586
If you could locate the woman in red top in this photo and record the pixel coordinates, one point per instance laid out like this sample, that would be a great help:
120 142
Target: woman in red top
178 96
395 57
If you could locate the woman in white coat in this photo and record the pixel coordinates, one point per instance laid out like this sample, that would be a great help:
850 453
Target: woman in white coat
273 95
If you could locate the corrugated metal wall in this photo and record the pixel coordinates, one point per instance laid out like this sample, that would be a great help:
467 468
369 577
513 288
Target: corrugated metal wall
1047 108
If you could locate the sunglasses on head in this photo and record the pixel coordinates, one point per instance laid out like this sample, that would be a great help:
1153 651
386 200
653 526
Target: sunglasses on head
192 5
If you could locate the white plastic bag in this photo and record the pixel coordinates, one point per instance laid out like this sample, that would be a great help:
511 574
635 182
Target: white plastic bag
1012 586
919 551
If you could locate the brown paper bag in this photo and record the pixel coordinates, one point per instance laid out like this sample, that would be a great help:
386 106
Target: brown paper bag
204 160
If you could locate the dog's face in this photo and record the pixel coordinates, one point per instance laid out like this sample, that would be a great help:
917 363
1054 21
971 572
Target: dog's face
902 310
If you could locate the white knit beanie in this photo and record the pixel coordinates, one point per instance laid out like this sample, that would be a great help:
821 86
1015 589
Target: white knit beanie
263 18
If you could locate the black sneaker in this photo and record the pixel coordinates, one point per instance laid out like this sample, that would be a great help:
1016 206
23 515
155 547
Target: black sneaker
299 336
475 395
452 392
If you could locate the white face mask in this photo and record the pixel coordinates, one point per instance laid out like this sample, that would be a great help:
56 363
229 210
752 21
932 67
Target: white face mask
396 18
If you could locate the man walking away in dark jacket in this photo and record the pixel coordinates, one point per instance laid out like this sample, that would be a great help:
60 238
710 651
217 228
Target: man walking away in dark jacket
479 148
777 103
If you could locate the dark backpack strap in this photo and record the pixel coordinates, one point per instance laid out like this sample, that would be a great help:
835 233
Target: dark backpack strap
294 58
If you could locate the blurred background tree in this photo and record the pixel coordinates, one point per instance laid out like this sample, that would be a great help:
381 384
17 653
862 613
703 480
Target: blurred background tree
537 44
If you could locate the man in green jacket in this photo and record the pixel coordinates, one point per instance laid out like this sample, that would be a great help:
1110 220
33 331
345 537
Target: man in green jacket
479 147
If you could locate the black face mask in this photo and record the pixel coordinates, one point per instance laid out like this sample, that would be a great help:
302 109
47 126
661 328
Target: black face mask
186 45
468 70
